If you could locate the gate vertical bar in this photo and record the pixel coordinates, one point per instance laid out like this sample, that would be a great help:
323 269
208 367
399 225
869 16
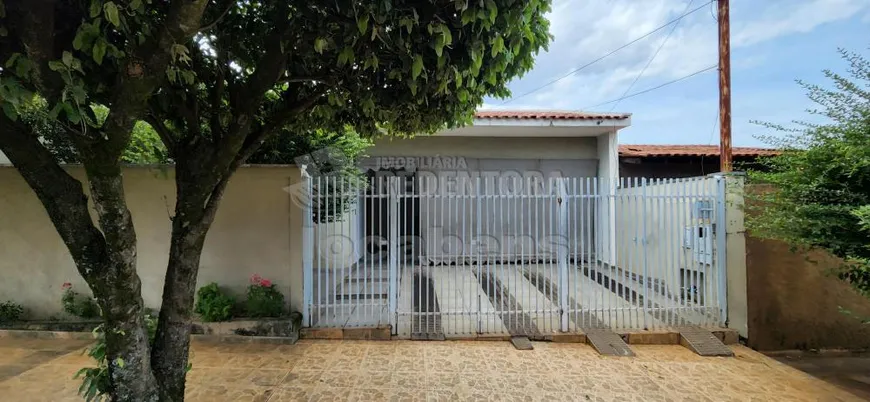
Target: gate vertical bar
476 244
563 254
646 280
392 188
721 245
307 251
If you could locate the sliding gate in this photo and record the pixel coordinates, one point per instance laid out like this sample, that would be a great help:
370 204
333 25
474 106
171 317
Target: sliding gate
464 256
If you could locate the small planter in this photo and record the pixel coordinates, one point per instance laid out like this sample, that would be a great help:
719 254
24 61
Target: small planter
54 325
273 327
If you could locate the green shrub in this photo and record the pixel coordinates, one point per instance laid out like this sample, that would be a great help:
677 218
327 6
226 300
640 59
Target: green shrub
264 299
77 304
213 305
10 312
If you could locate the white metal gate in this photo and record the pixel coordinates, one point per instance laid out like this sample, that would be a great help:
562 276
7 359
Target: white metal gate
461 256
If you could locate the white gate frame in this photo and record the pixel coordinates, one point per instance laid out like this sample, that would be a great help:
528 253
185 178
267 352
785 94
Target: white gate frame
641 198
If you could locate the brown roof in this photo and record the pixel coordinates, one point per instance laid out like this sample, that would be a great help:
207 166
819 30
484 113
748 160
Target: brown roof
548 115
632 150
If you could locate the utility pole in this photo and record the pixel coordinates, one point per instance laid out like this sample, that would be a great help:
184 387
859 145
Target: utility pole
724 87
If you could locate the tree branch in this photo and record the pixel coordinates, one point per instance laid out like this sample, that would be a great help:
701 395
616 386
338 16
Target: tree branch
315 79
276 123
145 70
35 23
61 195
217 97
220 18
163 132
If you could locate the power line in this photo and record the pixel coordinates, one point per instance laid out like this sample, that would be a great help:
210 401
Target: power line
608 54
653 88
661 45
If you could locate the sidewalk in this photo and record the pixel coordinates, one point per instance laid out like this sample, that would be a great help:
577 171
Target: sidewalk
41 370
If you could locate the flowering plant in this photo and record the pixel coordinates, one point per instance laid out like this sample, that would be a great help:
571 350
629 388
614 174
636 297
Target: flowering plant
264 299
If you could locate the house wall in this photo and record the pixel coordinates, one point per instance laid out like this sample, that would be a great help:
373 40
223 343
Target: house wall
689 168
489 147
650 234
679 167
448 225
257 230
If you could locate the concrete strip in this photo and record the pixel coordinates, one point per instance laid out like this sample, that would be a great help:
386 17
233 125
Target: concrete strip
543 311
459 290
610 308
405 301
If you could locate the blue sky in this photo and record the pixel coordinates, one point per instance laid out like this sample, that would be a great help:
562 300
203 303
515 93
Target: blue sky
774 42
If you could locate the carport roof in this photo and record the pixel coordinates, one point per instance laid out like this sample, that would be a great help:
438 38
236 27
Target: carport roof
548 115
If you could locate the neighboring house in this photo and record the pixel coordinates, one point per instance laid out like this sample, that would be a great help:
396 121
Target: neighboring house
672 161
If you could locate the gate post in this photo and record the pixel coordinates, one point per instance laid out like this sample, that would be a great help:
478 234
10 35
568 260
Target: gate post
563 252
307 251
393 205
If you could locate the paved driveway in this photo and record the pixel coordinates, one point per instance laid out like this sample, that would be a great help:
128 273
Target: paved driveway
41 370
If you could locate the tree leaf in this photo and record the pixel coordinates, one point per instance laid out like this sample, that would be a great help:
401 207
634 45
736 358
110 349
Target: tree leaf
12 59
363 24
468 16
417 67
319 45
78 42
492 9
10 112
497 46
462 94
346 56
112 13
136 5
55 65
67 58
99 50
96 6
78 93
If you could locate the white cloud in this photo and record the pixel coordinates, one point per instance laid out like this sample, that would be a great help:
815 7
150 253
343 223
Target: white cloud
585 30
781 19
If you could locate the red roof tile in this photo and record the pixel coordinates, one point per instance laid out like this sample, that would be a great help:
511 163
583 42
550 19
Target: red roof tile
547 115
631 150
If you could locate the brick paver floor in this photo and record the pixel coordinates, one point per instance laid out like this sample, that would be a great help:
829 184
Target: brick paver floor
41 370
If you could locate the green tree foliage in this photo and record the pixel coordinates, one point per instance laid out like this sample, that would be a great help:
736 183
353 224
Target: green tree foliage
215 79
145 146
285 148
819 187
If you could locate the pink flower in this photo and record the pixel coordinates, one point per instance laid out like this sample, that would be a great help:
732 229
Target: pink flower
66 286
256 279
265 283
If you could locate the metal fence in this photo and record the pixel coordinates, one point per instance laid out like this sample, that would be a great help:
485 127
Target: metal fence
462 256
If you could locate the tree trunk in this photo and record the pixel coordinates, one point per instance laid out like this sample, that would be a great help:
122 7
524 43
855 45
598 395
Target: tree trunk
106 259
199 194
119 290
172 343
